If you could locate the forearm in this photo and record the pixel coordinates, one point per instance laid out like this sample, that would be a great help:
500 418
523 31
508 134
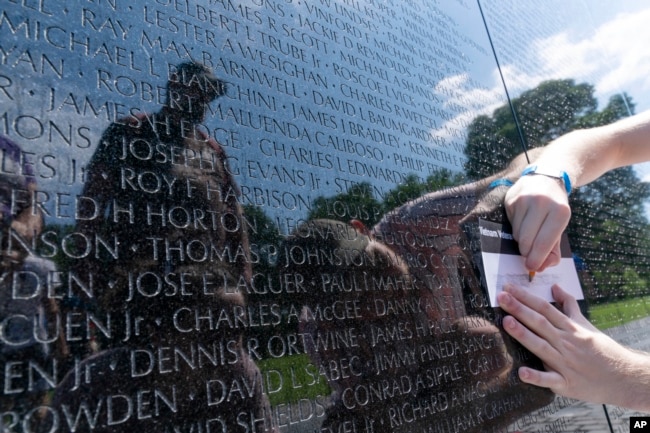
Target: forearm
635 380
589 153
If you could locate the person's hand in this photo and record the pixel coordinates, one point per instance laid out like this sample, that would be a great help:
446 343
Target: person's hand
580 361
538 210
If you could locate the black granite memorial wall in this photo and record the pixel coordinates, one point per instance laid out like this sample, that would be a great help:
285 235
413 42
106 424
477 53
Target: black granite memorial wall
262 216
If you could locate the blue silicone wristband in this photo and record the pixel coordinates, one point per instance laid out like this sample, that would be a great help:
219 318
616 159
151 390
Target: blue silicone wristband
500 182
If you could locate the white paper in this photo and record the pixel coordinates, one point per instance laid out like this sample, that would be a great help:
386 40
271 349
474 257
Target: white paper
502 264
506 268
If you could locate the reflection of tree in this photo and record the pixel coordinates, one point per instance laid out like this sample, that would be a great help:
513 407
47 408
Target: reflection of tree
414 188
359 203
551 109
619 106
264 237
608 229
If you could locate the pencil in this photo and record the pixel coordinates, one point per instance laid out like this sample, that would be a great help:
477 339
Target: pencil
531 275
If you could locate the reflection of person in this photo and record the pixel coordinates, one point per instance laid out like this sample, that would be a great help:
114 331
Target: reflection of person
18 182
409 286
581 362
163 187
21 295
173 276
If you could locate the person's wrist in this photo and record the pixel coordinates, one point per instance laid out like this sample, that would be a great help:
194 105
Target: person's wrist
551 172
539 186
505 182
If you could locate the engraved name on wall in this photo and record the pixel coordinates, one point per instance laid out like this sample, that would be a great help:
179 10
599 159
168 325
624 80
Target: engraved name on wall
196 233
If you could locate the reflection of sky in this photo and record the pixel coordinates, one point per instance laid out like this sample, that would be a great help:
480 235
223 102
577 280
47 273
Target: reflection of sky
591 44
600 42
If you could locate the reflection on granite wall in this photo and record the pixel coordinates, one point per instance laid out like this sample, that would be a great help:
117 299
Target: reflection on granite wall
256 216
